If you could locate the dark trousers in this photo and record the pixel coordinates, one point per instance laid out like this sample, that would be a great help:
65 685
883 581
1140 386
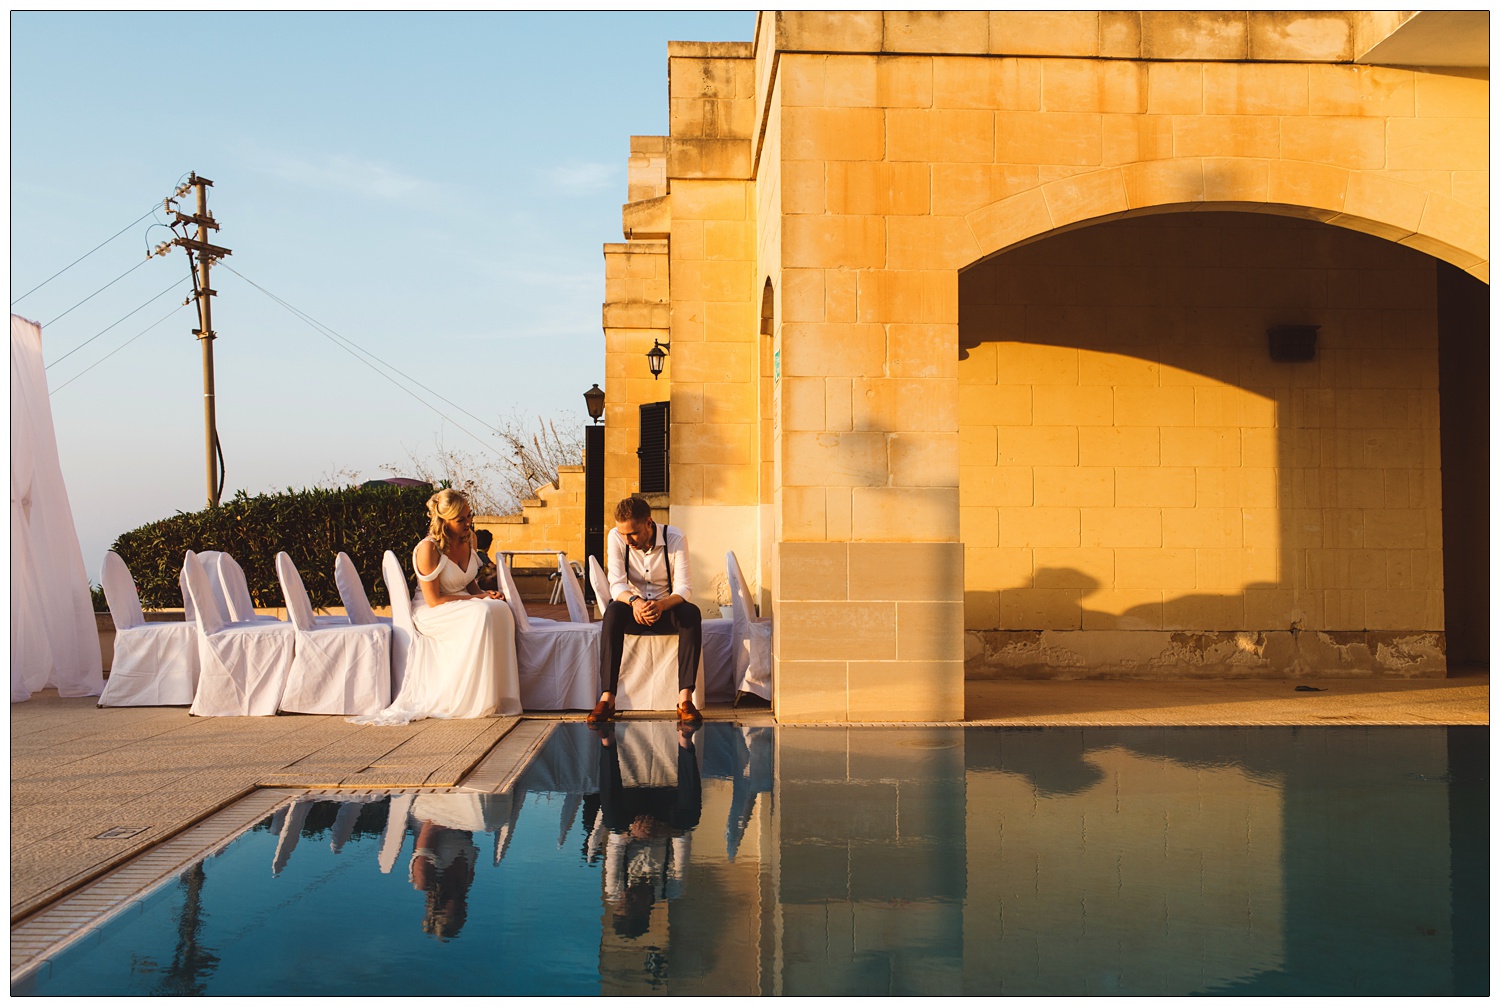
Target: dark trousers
683 621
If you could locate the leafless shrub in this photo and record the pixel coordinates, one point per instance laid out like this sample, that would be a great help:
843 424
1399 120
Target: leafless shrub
525 459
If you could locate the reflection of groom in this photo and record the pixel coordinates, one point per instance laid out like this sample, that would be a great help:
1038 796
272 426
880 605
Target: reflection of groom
650 838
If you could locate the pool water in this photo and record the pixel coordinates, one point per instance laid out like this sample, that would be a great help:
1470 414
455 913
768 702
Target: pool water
818 861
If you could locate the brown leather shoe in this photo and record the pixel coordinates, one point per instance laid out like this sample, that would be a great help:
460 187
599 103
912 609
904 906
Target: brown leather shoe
603 712
687 713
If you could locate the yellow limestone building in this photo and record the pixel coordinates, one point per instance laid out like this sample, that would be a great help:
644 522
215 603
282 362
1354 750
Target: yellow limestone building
1067 344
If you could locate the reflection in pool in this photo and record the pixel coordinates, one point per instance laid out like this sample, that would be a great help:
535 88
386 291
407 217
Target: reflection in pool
860 860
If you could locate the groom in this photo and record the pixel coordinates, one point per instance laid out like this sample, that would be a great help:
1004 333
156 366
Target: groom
649 584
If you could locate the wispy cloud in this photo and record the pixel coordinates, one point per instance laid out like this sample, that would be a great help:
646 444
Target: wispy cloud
348 174
581 176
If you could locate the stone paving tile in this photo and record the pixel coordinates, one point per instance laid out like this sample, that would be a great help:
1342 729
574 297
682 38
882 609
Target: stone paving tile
452 770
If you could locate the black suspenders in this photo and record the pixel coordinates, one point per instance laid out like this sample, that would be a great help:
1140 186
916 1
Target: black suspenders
666 558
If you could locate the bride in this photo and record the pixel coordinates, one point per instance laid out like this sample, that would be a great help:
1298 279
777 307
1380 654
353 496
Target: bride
463 663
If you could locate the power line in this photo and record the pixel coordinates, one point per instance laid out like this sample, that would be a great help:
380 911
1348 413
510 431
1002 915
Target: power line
102 289
96 335
372 356
117 349
85 255
338 340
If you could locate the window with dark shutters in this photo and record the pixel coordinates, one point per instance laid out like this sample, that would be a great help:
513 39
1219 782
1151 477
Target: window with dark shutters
656 446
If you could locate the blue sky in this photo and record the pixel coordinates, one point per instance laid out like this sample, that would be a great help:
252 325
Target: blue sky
434 187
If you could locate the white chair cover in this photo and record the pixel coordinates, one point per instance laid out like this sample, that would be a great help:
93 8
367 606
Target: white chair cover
236 591
557 662
720 681
601 586
567 576
187 602
242 666
752 635
209 560
343 670
352 592
155 663
578 606
403 630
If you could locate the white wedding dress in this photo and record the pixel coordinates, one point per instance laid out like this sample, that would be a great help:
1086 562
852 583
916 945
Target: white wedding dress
462 663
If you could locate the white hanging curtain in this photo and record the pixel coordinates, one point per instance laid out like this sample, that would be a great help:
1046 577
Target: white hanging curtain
53 638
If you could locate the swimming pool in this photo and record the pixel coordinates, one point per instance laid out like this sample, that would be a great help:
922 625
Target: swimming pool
814 861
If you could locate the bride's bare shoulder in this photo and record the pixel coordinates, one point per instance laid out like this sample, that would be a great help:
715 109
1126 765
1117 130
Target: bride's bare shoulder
427 555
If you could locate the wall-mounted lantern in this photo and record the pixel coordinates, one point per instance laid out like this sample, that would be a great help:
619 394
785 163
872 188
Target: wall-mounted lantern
656 356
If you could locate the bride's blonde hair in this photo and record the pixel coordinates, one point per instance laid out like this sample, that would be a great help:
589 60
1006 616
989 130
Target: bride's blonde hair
442 507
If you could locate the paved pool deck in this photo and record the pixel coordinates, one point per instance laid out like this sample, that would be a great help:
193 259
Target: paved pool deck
84 779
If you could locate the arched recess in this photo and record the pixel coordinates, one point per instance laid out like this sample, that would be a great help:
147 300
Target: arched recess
1165 492
1367 201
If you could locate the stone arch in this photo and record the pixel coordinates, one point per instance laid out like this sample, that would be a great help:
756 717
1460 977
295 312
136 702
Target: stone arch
1367 201
1299 460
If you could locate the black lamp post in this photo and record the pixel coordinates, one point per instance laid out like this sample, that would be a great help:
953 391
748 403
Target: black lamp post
593 483
656 356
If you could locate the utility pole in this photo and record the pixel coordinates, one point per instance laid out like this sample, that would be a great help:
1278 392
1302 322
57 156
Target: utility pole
206 254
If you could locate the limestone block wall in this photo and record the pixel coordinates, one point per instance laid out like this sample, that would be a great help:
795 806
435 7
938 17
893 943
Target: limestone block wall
1143 490
552 520
716 355
636 311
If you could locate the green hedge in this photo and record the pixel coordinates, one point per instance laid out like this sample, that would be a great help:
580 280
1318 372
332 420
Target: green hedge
312 526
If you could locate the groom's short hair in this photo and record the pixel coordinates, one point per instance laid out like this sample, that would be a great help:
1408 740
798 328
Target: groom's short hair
632 509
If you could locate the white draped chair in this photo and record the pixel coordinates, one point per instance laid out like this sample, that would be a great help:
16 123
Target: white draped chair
242 666
208 560
752 636
720 681
232 591
648 664
557 662
338 669
155 663
352 593
601 587
403 629
572 591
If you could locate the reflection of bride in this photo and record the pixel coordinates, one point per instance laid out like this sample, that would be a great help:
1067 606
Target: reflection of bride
442 865
445 857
